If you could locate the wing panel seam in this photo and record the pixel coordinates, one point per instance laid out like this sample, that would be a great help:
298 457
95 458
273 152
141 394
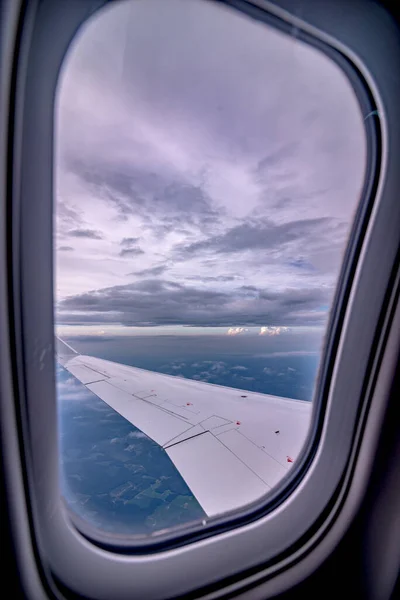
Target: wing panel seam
241 460
186 439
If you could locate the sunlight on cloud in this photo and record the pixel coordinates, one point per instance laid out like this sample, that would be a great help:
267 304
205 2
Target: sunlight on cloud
236 330
273 330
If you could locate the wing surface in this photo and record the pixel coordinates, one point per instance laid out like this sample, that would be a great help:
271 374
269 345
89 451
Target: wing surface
231 446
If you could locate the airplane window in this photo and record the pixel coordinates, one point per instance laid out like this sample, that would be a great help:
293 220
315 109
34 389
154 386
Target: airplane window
208 167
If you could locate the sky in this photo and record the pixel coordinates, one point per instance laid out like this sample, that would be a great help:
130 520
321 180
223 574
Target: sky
207 169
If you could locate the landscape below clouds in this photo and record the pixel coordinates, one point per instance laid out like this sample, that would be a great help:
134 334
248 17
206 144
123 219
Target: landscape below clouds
283 365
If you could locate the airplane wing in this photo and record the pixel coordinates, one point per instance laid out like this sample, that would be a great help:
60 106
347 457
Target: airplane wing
231 446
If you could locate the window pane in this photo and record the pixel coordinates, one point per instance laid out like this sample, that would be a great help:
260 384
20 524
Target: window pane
208 168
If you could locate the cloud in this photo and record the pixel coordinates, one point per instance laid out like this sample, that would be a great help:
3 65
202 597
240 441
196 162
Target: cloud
129 248
131 448
218 366
263 235
290 353
65 248
208 279
129 241
69 388
91 234
204 376
272 331
152 271
67 215
236 330
155 302
131 252
135 190
239 368
301 263
220 183
268 371
138 435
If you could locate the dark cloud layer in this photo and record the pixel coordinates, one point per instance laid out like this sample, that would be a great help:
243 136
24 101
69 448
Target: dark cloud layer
153 271
157 302
91 234
208 279
131 252
129 241
259 236
134 191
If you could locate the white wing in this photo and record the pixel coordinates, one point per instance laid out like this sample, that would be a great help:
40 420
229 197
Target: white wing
231 446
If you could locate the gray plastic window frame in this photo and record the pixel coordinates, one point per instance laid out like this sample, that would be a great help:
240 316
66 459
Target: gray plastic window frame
249 512
67 558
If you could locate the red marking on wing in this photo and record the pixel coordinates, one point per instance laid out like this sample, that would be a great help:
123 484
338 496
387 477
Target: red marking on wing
289 459
238 422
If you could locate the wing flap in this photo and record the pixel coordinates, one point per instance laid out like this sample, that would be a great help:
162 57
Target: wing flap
217 477
266 466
